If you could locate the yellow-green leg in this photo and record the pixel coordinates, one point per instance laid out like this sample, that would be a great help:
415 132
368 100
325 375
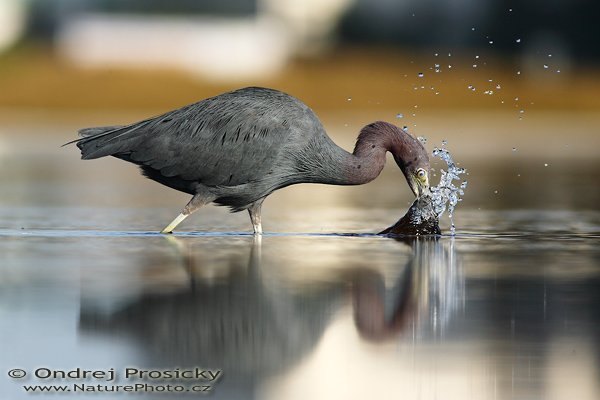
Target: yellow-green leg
194 204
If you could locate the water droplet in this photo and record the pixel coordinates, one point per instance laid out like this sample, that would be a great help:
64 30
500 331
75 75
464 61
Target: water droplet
491 42
545 164
473 28
446 195
444 142
405 128
518 72
449 54
349 99
516 99
422 140
420 75
558 70
436 54
476 56
510 10
545 66
549 55
474 65
495 192
498 86
399 115
518 40
521 111
514 149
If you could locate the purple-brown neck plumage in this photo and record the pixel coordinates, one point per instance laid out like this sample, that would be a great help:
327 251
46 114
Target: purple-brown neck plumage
368 158
372 144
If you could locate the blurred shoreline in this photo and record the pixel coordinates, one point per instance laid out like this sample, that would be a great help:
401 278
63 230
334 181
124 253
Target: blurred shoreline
346 79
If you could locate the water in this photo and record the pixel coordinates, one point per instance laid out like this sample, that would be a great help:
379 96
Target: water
446 195
479 315
422 218
320 306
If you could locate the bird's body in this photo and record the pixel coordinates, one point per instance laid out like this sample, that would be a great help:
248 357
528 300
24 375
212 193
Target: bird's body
237 148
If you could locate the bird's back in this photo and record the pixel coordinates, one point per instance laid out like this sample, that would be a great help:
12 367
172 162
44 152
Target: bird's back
240 142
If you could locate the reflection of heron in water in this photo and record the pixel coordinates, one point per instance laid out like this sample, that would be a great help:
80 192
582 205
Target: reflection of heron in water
423 296
252 329
237 325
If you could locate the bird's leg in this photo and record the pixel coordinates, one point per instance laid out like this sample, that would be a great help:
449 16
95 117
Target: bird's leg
194 204
169 228
254 211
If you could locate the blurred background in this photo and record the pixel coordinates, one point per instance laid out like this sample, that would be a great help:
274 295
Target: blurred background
513 88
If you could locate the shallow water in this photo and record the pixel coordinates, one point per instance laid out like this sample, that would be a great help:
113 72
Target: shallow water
480 315
319 308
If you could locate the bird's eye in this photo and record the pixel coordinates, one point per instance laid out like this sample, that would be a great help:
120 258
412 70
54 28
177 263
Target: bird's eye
422 174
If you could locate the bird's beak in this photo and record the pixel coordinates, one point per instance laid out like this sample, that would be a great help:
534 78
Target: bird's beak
418 187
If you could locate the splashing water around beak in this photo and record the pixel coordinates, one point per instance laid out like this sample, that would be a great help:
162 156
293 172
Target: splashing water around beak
446 195
422 218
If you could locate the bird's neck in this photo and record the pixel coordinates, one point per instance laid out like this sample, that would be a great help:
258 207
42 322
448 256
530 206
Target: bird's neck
367 160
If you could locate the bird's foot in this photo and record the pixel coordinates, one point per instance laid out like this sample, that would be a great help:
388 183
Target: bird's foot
169 228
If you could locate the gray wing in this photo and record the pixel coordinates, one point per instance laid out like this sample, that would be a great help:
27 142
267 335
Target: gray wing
231 139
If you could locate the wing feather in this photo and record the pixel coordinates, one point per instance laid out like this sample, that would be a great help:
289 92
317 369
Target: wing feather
228 140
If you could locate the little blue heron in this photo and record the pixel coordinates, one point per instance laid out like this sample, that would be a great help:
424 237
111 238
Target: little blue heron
236 148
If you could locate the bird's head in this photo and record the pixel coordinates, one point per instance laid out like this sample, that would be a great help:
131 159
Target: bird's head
413 160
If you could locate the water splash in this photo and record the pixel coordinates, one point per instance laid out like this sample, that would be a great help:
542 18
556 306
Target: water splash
446 194
422 218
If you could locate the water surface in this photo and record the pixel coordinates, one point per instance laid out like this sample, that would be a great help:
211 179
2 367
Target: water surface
320 307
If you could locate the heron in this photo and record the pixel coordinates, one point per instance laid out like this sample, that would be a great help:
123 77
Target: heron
238 147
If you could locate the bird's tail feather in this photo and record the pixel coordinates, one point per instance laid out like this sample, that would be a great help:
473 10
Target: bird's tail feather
102 141
93 141
87 132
